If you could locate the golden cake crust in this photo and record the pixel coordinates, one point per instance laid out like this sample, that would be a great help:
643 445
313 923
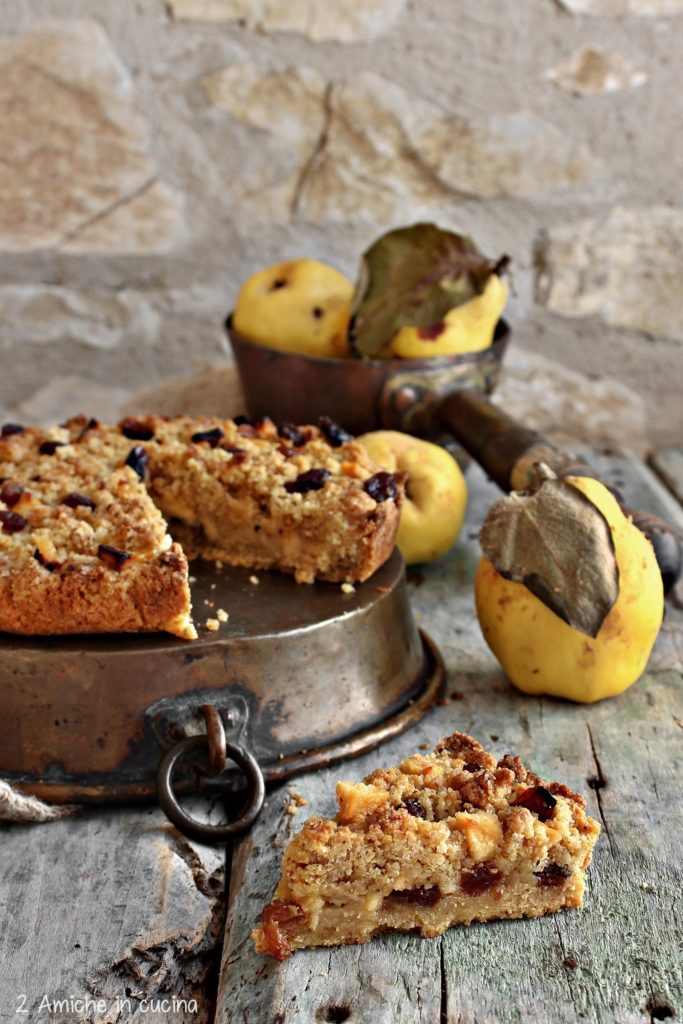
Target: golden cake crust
445 838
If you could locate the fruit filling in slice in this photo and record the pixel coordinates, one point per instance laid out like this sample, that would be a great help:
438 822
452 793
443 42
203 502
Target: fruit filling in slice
442 839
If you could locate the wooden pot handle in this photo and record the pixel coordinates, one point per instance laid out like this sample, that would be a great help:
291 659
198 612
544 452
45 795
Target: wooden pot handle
507 451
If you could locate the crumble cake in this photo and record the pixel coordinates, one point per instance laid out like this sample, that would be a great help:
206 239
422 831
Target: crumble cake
446 838
97 521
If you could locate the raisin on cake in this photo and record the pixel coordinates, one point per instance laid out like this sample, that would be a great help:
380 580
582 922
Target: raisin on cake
446 838
97 522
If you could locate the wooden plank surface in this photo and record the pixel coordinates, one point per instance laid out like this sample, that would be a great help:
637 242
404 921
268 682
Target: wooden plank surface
109 916
618 959
668 465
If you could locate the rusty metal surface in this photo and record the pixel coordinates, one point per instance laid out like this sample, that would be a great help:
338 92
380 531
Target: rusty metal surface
295 668
361 394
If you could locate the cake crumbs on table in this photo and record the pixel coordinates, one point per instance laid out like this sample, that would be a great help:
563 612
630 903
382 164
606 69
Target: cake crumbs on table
296 800
222 615
192 579
348 588
424 746
213 625
255 580
212 587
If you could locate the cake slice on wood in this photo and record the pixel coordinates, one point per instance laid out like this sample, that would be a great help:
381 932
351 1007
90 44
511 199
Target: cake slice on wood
446 838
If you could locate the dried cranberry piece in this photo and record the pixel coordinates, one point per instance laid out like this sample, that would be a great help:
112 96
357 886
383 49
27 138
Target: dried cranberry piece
50 447
112 557
419 897
381 487
212 437
471 766
311 480
482 877
51 566
8 429
292 433
12 522
92 424
137 460
239 455
134 430
414 807
11 492
276 920
538 800
336 435
76 500
552 876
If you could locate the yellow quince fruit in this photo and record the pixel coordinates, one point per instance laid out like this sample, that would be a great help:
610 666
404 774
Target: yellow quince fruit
540 652
435 492
466 328
298 305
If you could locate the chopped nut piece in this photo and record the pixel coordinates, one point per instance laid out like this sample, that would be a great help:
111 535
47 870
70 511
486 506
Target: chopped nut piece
254 580
213 624
348 588
222 615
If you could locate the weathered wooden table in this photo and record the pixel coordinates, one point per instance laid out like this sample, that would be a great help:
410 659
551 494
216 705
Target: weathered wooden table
113 916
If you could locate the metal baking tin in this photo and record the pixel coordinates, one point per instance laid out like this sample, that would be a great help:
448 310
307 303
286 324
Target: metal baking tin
302 675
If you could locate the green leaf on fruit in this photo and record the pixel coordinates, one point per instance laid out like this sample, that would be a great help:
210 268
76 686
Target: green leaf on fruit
559 546
412 277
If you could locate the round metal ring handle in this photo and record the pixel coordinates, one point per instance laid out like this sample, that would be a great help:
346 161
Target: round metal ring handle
184 821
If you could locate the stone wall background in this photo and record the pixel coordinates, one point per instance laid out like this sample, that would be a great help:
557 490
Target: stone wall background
154 155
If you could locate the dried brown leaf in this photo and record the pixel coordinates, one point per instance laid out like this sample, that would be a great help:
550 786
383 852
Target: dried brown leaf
559 545
412 277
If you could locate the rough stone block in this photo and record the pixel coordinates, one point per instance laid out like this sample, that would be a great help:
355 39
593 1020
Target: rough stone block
366 148
76 169
589 71
343 20
625 268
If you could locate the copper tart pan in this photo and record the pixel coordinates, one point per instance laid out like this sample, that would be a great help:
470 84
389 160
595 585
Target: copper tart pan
299 676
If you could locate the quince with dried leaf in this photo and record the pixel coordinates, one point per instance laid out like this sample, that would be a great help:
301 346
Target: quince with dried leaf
412 279
298 305
569 594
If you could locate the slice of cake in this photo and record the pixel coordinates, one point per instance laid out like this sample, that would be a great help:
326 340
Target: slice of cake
83 549
305 500
87 514
446 838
